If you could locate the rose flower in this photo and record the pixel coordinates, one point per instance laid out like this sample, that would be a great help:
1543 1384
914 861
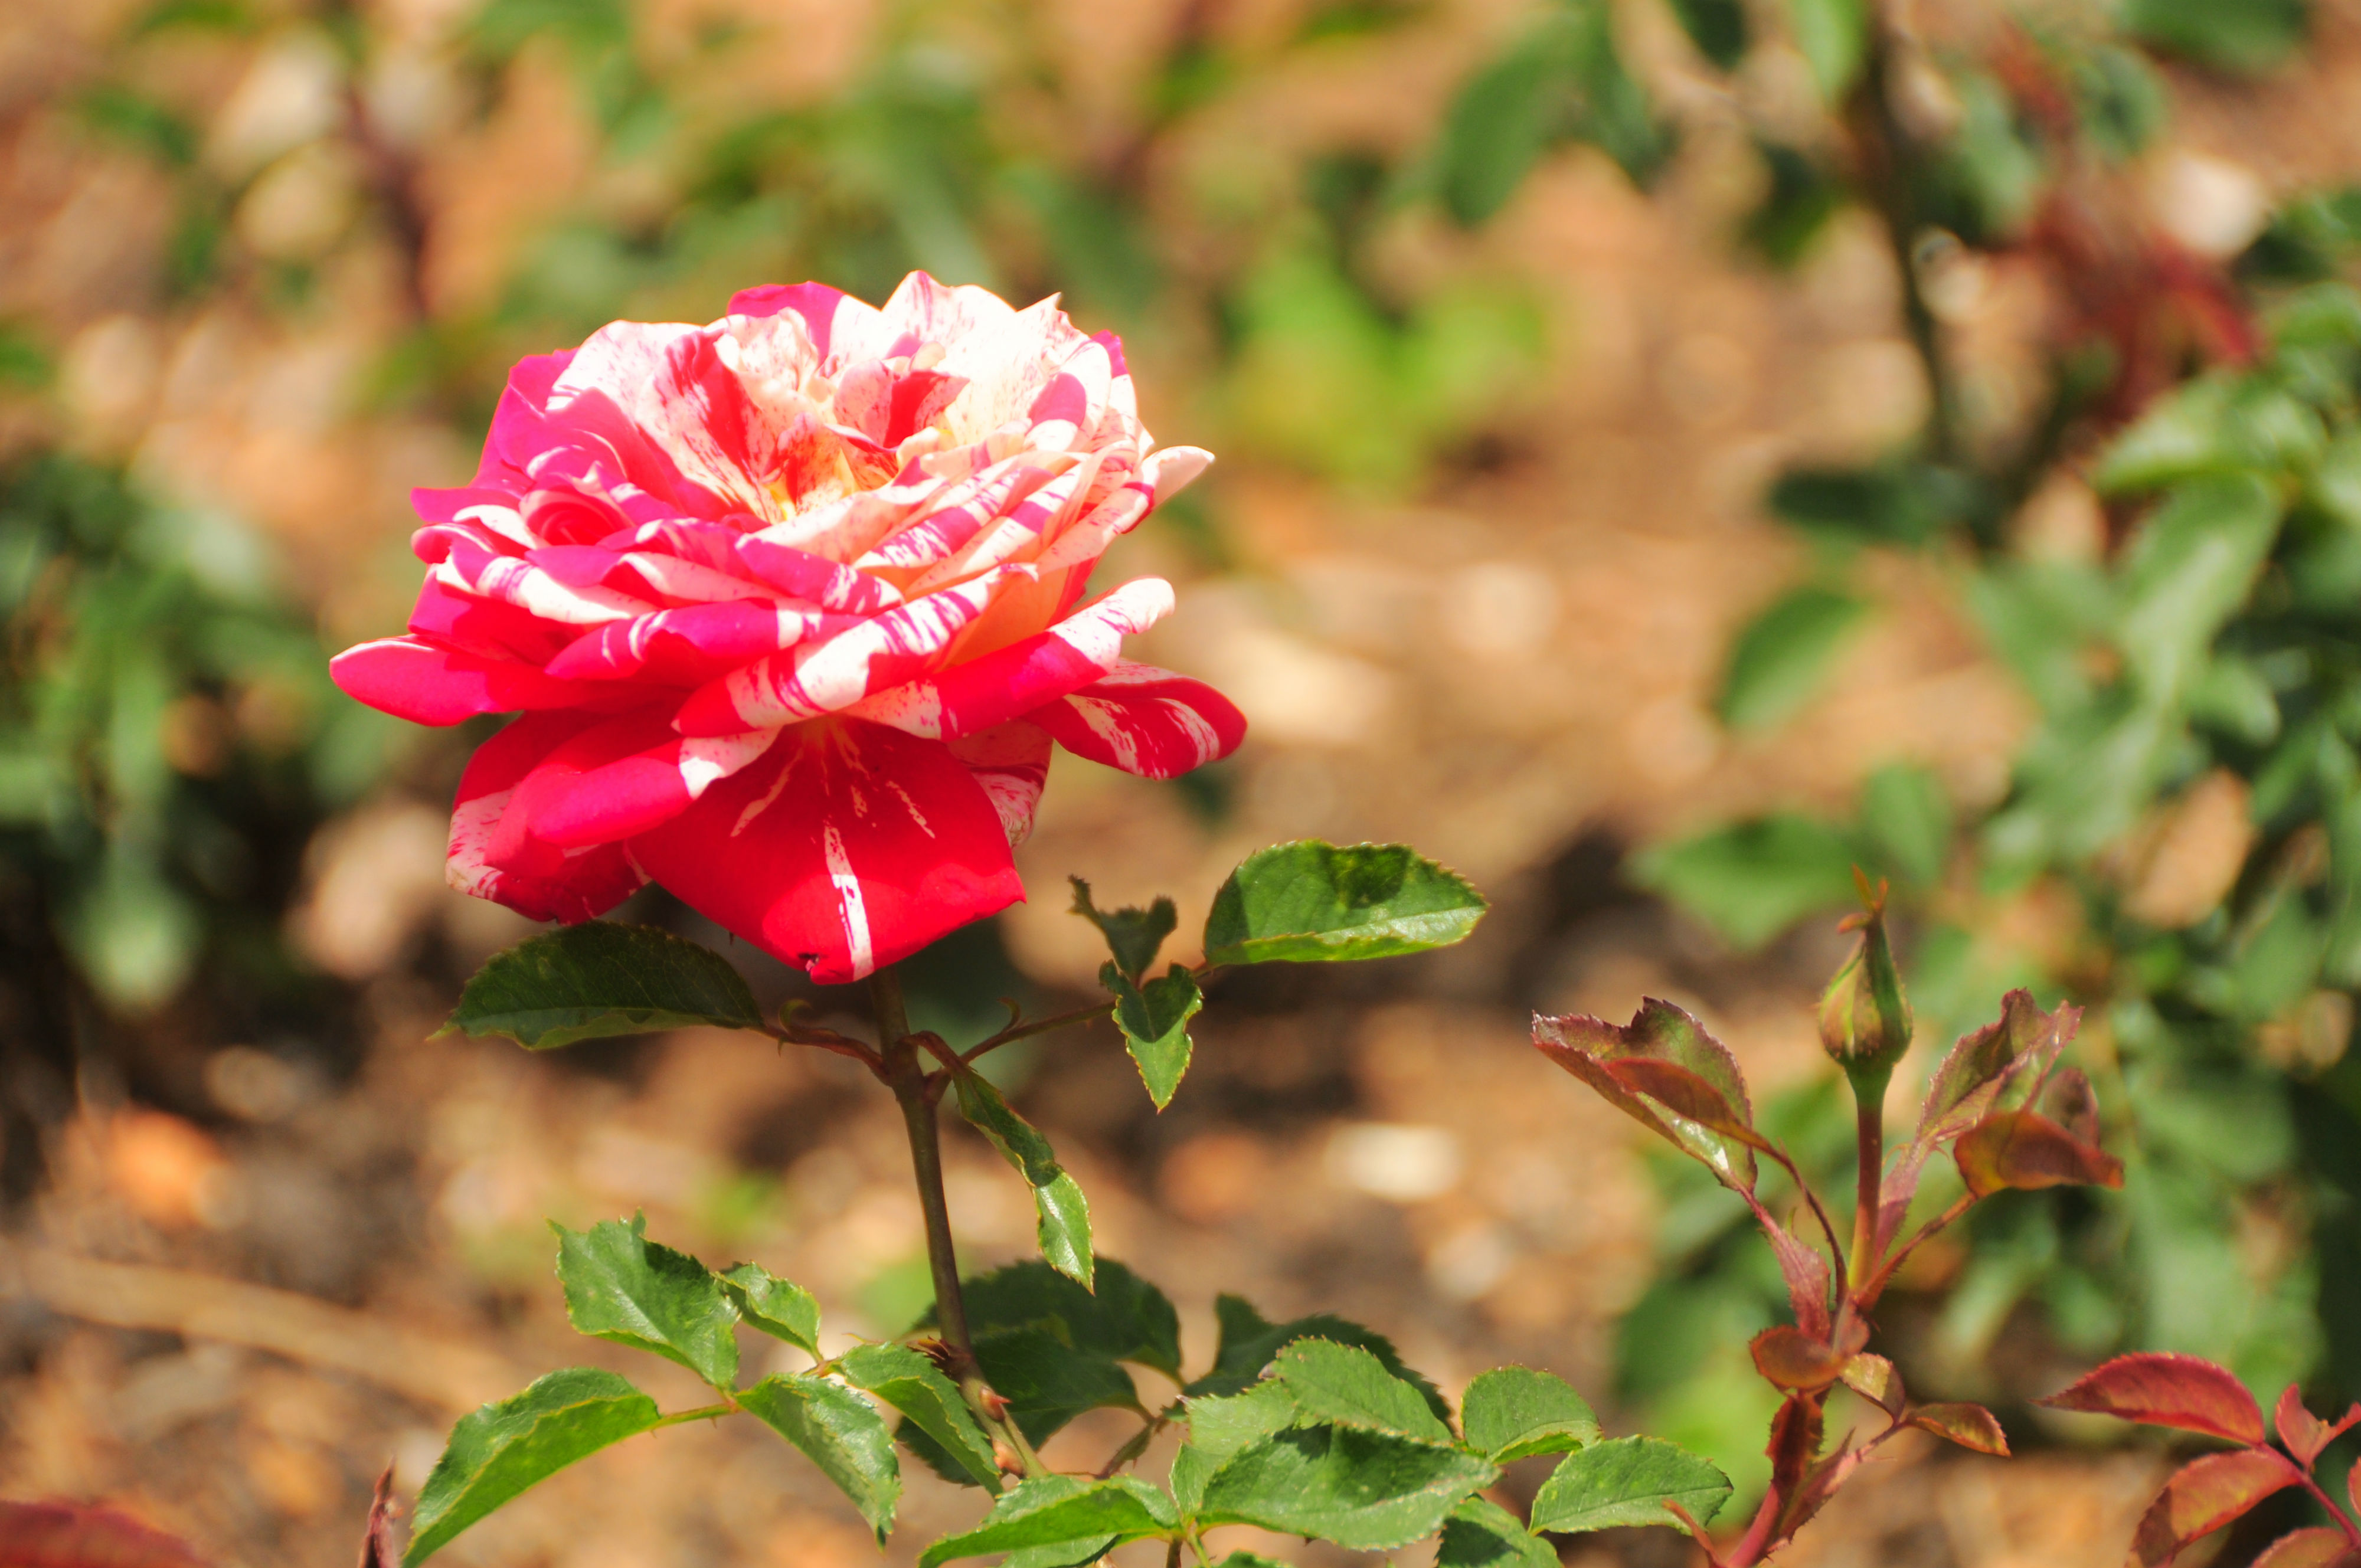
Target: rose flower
792 608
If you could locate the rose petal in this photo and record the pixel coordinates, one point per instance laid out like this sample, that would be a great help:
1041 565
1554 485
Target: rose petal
1146 721
411 678
847 846
576 886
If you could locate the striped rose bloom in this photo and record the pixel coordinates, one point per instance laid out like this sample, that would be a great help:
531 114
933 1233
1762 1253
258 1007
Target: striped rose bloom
792 607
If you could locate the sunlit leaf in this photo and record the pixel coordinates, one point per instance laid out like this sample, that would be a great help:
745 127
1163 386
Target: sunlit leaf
1154 1021
1344 1384
1515 1413
1057 1508
780 1308
579 982
1627 1481
619 1286
2203 1495
1366 1490
1310 903
1479 1533
2167 1390
841 1433
1970 1425
1063 1215
1590 1048
503 1448
928 1402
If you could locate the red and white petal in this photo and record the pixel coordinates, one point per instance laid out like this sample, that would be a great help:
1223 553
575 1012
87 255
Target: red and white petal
576 886
816 579
1146 721
1160 475
411 678
693 644
838 327
513 579
845 846
815 678
1012 763
449 619
968 699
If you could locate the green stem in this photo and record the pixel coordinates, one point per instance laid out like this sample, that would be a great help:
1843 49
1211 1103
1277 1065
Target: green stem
1869 1126
906 1076
702 1413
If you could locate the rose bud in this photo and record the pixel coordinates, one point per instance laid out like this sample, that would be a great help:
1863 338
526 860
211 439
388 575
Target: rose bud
1865 1021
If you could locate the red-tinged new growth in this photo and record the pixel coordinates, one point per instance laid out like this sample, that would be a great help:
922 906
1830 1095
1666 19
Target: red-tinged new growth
1997 1103
2217 1489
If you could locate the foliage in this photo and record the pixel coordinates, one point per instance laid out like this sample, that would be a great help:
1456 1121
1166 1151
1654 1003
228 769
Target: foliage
2215 1490
1998 1103
1314 1427
2189 672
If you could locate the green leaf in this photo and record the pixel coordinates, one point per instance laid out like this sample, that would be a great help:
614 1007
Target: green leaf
619 1286
2245 35
778 1307
1221 1426
837 1431
1833 37
1627 1481
1133 935
1121 1318
1308 902
1064 1215
1047 1382
1155 1025
1344 1384
2189 570
930 1401
1779 658
580 982
1718 27
502 1448
1054 1509
1247 1559
1904 813
1754 879
1891 502
1248 1341
1514 1412
1482 1534
2217 425
1368 1490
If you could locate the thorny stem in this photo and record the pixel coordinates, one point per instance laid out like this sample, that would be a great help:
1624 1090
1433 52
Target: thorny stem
1869 1105
906 1076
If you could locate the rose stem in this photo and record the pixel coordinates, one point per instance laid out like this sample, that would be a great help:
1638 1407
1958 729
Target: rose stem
907 1078
1869 1102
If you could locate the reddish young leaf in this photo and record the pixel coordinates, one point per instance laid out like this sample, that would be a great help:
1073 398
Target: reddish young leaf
2072 1104
378 1550
1660 1032
1791 1359
1875 1378
2026 1150
2304 1433
84 1535
1686 1094
2166 1390
2319 1547
1997 1066
1970 1425
2203 1495
1804 1268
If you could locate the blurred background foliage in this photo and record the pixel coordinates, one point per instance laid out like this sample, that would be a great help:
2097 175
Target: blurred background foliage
2030 350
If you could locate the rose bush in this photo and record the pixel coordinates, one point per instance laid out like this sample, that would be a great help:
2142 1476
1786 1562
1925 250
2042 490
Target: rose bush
791 608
